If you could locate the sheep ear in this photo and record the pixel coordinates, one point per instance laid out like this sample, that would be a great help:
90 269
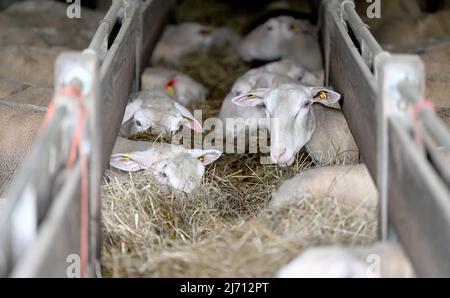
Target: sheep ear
131 109
251 99
133 161
324 96
189 119
205 156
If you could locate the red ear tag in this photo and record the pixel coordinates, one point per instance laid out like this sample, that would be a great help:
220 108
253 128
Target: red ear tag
170 87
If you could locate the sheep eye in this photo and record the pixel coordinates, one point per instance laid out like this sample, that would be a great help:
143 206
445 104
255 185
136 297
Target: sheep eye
164 175
204 32
138 123
269 28
322 95
294 27
201 158
251 96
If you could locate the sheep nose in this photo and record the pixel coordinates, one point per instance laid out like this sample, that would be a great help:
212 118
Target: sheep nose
278 153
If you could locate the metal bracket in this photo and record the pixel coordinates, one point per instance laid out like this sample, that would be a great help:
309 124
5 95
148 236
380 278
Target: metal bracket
391 71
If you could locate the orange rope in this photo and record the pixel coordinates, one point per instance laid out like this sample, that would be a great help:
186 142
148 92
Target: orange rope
76 147
419 107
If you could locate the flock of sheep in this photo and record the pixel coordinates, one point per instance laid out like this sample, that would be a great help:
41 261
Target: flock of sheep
288 95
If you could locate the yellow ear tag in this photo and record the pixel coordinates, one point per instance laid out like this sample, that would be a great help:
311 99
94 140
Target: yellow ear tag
322 95
295 27
125 157
170 91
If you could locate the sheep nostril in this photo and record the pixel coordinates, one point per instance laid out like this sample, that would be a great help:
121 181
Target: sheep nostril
277 153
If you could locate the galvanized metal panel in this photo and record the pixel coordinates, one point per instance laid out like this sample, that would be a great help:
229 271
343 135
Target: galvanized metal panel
419 206
351 77
59 236
117 74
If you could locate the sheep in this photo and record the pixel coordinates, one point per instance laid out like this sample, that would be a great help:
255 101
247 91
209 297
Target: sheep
16 140
156 112
46 37
24 93
179 41
437 64
382 260
284 37
31 64
273 74
404 34
179 86
172 165
23 103
351 183
293 122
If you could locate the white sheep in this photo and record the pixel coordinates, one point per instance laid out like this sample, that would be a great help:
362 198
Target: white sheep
284 37
437 65
382 260
351 184
30 64
274 74
177 85
16 140
293 122
179 41
172 165
156 112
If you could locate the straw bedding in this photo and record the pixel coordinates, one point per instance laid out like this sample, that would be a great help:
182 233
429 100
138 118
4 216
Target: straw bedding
225 228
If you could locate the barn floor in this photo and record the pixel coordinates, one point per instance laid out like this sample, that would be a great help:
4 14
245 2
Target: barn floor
225 229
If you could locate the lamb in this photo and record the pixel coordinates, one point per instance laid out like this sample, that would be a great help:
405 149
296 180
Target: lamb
172 165
274 74
437 64
411 33
46 37
31 64
351 183
179 86
154 111
24 93
16 140
179 41
293 122
284 37
23 103
382 260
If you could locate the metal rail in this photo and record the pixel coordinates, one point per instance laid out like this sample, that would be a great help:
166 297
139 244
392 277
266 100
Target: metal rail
40 226
380 92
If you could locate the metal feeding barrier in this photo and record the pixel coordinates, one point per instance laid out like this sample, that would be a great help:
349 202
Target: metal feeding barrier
53 213
52 217
405 146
